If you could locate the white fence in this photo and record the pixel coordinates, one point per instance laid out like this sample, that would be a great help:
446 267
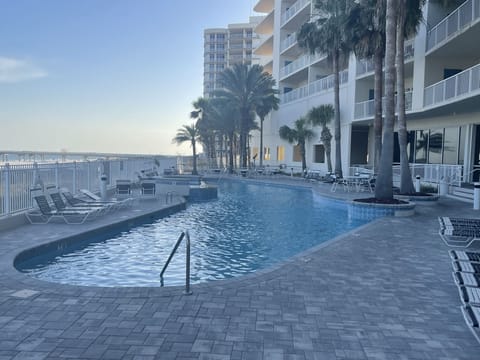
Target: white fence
433 173
17 180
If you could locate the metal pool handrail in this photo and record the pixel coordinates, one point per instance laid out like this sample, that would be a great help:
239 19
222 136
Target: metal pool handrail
184 234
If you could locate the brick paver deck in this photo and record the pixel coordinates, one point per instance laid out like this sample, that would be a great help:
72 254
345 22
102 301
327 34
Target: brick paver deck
382 291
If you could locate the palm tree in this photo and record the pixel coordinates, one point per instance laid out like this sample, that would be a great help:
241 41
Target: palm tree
245 87
321 116
409 16
206 128
226 117
299 134
384 182
189 133
268 104
326 35
366 33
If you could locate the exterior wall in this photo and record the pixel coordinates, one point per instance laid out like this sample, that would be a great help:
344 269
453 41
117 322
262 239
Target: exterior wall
423 68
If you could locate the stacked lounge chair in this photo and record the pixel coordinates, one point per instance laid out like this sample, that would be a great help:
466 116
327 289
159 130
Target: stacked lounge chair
459 232
45 213
467 277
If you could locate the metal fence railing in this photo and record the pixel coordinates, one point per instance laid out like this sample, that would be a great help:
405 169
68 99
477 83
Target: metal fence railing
17 180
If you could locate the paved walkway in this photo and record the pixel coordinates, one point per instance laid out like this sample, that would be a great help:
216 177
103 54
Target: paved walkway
382 291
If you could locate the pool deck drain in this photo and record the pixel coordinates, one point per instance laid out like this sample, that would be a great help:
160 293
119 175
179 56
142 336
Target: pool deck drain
383 291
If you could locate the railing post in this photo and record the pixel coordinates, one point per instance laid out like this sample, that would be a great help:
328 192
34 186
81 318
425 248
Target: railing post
476 196
74 182
57 182
6 198
187 267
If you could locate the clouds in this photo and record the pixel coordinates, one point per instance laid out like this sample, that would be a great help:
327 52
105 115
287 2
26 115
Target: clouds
16 70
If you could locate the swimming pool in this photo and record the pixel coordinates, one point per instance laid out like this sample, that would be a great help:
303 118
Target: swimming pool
250 227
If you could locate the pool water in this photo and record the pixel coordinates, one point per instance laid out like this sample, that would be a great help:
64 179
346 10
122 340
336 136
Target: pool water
250 227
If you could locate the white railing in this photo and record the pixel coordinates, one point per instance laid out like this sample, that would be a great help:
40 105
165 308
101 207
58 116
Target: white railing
365 66
434 173
294 94
288 41
293 10
295 65
460 85
300 63
366 109
17 180
317 86
459 19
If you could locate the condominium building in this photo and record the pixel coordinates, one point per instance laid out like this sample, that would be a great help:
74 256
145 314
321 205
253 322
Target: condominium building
442 77
224 47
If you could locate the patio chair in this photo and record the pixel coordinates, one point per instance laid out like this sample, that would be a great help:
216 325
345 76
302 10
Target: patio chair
465 256
62 206
467 279
466 267
148 188
339 181
124 188
471 313
44 214
470 295
116 203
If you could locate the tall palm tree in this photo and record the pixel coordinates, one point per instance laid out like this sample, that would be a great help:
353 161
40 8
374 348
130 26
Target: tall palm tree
299 134
189 134
268 104
321 116
206 128
409 16
245 87
366 33
225 115
384 182
326 34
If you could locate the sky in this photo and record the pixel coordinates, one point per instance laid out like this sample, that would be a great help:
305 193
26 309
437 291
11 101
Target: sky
116 76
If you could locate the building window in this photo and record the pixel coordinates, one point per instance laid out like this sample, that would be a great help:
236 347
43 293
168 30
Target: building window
266 153
450 145
297 157
435 146
319 154
421 146
280 153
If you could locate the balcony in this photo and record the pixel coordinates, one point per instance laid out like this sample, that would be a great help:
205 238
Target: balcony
324 84
462 85
299 64
288 41
365 66
264 6
366 109
460 19
293 10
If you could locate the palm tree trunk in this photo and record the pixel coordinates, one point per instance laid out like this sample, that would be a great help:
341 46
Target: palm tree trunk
378 94
406 182
384 182
194 150
260 162
336 83
230 159
302 154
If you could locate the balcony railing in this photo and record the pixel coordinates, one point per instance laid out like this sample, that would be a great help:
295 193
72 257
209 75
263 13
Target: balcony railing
287 15
366 109
317 86
299 64
288 41
459 19
367 65
296 65
461 85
